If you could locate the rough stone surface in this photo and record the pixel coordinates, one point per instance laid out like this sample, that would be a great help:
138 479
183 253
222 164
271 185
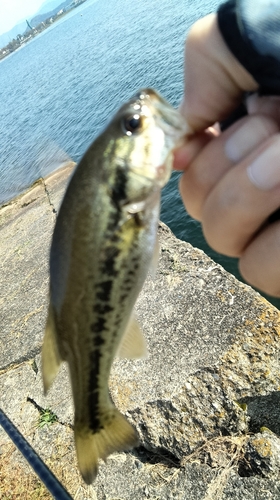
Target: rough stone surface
205 401
262 455
26 226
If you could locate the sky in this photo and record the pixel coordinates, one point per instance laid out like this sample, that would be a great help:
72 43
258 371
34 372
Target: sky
13 11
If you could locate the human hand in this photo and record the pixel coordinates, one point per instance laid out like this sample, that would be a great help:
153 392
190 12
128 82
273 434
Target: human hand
231 180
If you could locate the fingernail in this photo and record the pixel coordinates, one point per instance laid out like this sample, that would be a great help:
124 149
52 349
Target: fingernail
246 138
264 172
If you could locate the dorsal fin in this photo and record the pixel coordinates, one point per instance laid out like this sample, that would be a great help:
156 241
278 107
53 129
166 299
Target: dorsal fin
50 355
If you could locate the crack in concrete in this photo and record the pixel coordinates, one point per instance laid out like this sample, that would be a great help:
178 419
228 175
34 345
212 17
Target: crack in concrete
22 359
42 410
49 197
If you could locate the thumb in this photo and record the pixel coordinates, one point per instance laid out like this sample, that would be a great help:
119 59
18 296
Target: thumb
214 79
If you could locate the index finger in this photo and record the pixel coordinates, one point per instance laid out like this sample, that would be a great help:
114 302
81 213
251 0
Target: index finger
214 79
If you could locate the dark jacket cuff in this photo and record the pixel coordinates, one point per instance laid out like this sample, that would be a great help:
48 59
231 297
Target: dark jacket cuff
265 69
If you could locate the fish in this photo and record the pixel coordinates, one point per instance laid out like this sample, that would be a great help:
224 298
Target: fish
104 243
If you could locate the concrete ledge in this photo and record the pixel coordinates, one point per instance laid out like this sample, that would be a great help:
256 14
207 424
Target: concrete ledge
205 401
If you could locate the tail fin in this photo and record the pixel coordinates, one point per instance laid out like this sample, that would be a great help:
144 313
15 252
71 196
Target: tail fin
50 355
116 435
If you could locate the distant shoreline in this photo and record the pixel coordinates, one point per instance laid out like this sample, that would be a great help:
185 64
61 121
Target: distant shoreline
21 40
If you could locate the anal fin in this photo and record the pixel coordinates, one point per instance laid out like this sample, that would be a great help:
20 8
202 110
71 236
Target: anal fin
133 344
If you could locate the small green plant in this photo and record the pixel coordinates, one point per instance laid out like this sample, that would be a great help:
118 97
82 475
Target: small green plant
47 417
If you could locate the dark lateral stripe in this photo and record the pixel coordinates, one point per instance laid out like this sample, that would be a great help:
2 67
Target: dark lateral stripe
119 193
93 393
111 254
119 190
113 220
103 339
98 327
102 308
105 290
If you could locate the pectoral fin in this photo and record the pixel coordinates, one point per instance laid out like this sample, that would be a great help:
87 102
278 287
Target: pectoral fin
50 354
133 344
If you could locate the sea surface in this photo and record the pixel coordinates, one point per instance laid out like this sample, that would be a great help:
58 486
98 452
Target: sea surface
58 91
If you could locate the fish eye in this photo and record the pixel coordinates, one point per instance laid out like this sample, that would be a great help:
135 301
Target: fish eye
140 96
132 124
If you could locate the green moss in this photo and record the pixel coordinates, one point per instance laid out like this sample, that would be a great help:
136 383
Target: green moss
47 417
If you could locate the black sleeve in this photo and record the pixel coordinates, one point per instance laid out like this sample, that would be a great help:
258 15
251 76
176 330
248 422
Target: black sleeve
251 30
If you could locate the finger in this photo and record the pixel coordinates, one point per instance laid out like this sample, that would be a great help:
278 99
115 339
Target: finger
259 264
214 79
220 155
242 201
265 105
183 156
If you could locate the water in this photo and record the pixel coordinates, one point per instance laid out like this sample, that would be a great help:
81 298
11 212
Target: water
58 91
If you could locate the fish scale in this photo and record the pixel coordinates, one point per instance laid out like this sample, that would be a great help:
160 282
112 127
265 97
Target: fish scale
102 247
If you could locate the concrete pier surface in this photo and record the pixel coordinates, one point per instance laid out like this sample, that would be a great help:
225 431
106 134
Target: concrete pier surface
205 401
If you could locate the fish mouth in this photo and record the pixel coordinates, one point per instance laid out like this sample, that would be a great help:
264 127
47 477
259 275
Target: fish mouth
168 118
171 122
173 125
175 129
169 130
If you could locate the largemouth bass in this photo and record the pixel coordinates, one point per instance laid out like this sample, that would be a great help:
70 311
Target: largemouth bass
102 248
